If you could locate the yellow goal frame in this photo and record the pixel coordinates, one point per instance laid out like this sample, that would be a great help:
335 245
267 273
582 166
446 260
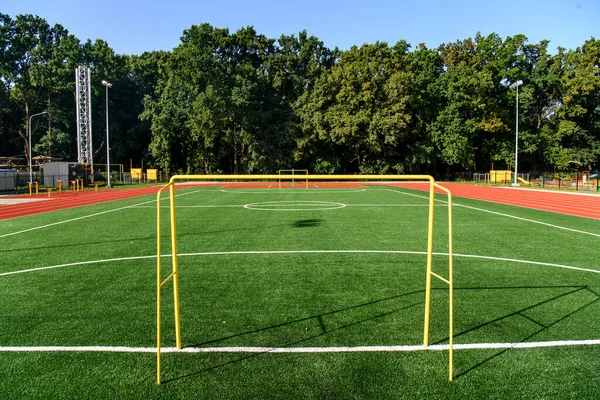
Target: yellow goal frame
174 275
293 173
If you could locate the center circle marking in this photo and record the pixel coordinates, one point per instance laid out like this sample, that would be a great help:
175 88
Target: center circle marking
294 205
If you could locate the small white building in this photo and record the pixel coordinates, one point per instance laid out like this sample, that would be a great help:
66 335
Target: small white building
7 179
65 171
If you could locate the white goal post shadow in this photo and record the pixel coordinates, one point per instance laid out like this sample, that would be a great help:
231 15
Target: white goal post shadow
174 275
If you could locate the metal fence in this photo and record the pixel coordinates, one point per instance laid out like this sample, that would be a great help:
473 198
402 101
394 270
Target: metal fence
100 178
588 182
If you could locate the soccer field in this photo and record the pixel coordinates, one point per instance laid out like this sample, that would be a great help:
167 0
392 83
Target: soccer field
299 293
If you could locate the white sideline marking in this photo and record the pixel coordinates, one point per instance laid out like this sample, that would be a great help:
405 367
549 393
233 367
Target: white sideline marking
226 253
70 220
88 216
503 214
531 220
340 349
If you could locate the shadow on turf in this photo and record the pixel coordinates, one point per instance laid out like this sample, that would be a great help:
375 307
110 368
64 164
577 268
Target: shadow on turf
520 313
307 223
318 317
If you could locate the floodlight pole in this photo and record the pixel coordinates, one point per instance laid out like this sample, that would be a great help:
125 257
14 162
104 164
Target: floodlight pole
107 85
30 163
516 86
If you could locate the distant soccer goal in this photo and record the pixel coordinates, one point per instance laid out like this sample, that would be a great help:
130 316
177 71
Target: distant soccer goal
329 207
298 175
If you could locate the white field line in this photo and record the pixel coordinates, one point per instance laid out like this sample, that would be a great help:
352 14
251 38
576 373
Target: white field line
503 214
86 216
73 264
262 252
340 349
70 220
533 221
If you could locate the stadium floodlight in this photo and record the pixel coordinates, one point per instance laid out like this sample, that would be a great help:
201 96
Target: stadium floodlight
516 85
107 85
30 165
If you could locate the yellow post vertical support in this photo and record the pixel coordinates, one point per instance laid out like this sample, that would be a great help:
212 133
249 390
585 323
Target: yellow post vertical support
60 186
37 186
429 263
158 285
30 189
279 173
451 291
450 283
175 267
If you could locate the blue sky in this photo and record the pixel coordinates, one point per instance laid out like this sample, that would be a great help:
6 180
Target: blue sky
135 26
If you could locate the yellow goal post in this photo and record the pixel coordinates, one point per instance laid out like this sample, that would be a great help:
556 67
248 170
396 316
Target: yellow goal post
174 275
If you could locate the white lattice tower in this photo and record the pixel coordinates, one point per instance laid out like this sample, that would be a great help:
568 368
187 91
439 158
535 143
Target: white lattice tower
84 116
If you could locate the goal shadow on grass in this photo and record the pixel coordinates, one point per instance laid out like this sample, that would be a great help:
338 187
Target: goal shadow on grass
307 223
318 317
530 320
573 290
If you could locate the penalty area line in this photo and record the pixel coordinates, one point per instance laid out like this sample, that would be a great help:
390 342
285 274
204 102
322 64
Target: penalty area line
340 349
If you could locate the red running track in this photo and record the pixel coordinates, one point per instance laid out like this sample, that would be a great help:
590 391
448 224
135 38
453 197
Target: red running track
578 204
64 200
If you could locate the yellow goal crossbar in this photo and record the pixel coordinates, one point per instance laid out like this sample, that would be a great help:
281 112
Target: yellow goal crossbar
174 275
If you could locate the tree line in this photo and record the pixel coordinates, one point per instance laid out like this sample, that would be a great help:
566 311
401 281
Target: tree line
223 102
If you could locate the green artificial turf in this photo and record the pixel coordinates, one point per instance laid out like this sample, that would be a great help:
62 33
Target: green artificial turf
342 277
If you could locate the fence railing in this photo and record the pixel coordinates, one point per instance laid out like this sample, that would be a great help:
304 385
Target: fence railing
21 179
588 182
561 181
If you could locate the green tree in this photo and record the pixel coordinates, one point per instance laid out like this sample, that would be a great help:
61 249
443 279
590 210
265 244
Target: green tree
188 80
26 38
575 139
361 105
